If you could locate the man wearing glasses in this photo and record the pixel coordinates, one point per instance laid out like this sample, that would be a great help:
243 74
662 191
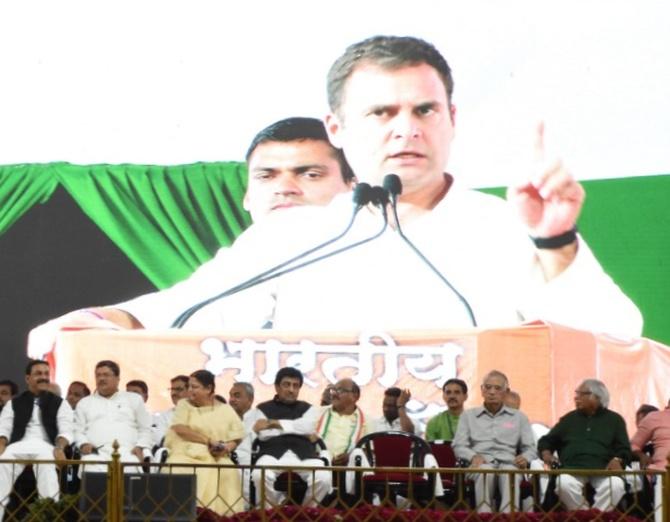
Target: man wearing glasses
494 436
589 437
343 423
178 390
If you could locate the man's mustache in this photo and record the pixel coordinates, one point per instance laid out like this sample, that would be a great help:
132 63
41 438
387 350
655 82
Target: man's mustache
40 381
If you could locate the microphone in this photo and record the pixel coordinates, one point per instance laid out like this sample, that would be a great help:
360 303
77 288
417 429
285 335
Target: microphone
393 186
362 195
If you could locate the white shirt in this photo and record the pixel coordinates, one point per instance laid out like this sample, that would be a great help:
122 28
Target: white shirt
123 417
382 424
472 238
161 422
243 450
35 429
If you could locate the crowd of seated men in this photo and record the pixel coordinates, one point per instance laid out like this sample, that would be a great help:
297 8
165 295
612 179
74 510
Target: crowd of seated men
203 428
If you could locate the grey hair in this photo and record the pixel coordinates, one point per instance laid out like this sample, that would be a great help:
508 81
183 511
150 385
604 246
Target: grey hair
248 388
496 373
599 390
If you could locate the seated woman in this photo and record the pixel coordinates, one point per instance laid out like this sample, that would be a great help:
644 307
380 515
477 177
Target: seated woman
205 431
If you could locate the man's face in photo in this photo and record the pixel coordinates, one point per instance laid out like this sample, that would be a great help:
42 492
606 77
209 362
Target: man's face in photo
289 174
395 121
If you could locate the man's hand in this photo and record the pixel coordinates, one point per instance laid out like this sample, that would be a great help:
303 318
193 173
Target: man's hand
403 398
266 424
59 454
477 461
42 338
644 460
614 465
521 462
548 458
550 202
341 460
139 453
86 449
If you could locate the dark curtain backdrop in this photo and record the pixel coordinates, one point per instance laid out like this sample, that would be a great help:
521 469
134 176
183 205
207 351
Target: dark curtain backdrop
167 220
74 236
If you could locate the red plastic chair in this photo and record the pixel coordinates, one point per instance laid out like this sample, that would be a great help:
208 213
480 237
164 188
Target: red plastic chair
394 449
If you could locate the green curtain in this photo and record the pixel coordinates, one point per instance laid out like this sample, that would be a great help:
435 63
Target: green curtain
21 187
167 220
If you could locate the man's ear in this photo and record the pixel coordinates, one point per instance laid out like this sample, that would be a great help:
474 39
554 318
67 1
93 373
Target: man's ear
245 201
452 113
334 129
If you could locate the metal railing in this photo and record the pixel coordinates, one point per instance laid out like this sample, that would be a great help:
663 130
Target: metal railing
177 492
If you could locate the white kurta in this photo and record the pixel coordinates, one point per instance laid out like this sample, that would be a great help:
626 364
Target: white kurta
101 420
35 445
472 238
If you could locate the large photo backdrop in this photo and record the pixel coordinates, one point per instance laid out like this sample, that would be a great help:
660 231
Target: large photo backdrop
155 102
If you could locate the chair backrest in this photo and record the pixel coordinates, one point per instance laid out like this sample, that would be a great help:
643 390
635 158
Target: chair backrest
445 457
394 449
444 453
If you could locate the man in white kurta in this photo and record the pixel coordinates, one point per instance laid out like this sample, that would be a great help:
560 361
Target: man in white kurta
34 425
392 112
109 415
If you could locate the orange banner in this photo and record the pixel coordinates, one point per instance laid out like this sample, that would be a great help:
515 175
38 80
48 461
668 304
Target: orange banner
543 362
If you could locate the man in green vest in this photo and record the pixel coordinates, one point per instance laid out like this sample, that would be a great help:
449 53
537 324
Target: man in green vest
443 425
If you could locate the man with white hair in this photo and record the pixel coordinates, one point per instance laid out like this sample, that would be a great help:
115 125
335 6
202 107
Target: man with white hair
590 437
494 436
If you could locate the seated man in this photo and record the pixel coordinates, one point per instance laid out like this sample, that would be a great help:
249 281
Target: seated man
162 420
296 420
76 392
512 400
343 423
140 387
34 425
443 426
290 163
590 437
395 412
241 397
8 390
494 436
108 415
654 428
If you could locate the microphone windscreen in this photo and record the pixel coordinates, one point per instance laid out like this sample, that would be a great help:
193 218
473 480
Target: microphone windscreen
380 196
393 184
362 194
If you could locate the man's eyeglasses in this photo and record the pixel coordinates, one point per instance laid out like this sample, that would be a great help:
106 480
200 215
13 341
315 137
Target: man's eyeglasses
583 393
342 390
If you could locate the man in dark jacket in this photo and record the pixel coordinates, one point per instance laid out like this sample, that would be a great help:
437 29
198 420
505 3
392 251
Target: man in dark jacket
34 425
283 427
590 437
